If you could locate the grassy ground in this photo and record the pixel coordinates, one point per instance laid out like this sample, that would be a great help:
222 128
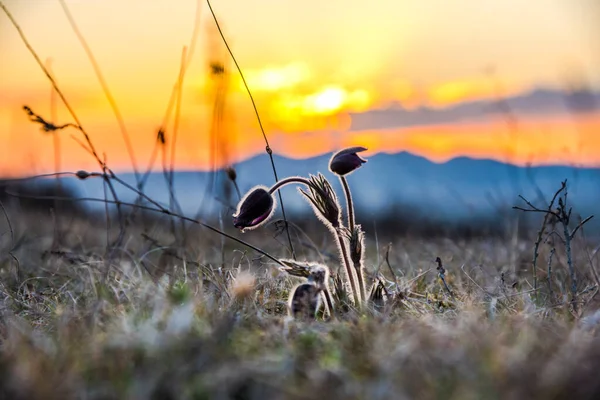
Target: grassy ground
196 317
209 320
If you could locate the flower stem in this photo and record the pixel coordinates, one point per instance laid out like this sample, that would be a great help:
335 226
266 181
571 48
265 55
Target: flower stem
293 179
349 270
351 225
329 302
361 280
345 260
350 206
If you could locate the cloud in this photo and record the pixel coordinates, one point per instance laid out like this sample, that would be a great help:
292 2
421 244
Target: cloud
271 79
536 102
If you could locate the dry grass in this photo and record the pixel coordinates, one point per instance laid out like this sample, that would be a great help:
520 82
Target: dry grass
147 324
134 311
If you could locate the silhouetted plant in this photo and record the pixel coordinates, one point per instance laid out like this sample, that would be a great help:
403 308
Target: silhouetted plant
305 299
257 207
356 239
314 272
562 215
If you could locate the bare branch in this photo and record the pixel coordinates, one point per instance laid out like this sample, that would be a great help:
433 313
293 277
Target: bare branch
580 225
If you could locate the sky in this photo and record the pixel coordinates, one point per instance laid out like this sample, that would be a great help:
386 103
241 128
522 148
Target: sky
314 69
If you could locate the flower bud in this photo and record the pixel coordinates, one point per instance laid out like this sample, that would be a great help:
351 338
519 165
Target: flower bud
345 161
254 209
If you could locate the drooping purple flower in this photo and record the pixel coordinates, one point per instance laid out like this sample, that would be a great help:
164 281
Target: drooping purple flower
345 161
254 209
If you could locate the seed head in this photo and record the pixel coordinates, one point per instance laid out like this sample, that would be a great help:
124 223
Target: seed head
316 273
296 268
319 275
81 174
357 240
254 209
242 286
160 136
323 200
345 161
231 173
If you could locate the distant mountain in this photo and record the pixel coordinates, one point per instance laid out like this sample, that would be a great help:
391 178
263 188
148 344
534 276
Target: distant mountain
459 189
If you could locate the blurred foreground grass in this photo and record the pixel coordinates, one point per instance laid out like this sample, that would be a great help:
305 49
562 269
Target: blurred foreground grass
210 322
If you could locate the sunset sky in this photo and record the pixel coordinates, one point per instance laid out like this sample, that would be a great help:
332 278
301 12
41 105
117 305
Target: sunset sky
312 66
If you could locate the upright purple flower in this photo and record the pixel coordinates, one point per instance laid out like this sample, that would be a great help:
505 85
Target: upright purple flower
345 161
254 209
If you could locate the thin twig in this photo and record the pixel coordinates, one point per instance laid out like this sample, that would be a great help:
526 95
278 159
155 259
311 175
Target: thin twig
12 241
268 147
580 225
387 261
442 275
549 279
161 210
562 214
105 89
90 146
49 76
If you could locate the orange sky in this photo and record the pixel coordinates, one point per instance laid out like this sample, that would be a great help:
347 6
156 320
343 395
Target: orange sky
308 65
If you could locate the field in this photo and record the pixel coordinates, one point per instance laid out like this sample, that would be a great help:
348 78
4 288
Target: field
140 302
209 318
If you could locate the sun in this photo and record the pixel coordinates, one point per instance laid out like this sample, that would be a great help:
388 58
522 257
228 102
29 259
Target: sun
272 79
327 101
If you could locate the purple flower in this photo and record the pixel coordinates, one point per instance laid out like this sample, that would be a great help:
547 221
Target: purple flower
345 161
254 209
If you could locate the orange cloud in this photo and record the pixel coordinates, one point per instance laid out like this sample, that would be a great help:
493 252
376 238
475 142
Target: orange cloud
460 90
555 139
539 140
272 78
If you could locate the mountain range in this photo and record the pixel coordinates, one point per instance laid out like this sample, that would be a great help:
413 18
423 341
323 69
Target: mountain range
461 189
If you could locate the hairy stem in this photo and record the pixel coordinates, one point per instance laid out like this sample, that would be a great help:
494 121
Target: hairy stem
361 279
329 301
350 206
294 179
351 225
352 278
349 270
